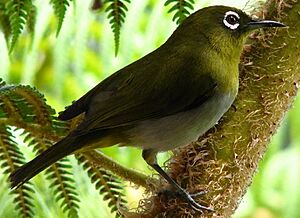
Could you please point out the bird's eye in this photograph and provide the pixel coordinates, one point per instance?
(231, 20)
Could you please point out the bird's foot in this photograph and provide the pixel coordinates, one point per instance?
(189, 198)
(198, 194)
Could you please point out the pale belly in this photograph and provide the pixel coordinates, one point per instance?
(180, 129)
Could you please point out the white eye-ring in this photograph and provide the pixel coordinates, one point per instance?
(231, 20)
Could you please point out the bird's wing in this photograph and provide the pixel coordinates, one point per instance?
(124, 98)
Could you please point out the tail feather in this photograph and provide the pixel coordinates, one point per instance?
(44, 160)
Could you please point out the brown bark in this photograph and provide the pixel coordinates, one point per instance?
(224, 161)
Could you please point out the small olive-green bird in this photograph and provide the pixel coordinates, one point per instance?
(166, 99)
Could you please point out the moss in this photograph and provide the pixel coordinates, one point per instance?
(224, 161)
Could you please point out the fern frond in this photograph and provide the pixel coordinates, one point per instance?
(17, 12)
(108, 184)
(63, 186)
(58, 174)
(11, 158)
(31, 20)
(60, 8)
(4, 21)
(181, 8)
(2, 83)
(24, 107)
(116, 13)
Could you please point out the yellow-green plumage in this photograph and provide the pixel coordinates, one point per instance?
(164, 100)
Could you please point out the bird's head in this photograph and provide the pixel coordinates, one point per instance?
(225, 28)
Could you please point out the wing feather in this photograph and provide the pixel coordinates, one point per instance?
(143, 90)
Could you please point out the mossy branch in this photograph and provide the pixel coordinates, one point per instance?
(224, 161)
(130, 175)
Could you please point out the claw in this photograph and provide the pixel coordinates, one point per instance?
(196, 206)
(150, 157)
(184, 195)
(198, 194)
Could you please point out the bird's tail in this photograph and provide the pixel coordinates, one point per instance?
(59, 150)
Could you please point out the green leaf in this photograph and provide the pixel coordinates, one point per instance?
(181, 8)
(24, 107)
(17, 12)
(116, 13)
(109, 186)
(60, 8)
(11, 159)
(63, 186)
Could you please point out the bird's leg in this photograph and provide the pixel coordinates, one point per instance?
(150, 157)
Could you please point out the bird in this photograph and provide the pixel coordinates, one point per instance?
(164, 100)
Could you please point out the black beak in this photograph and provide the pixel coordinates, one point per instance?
(256, 24)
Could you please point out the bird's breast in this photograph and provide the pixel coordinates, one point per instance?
(182, 128)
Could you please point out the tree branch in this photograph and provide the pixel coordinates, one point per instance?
(223, 161)
(102, 161)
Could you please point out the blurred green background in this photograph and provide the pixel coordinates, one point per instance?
(67, 66)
